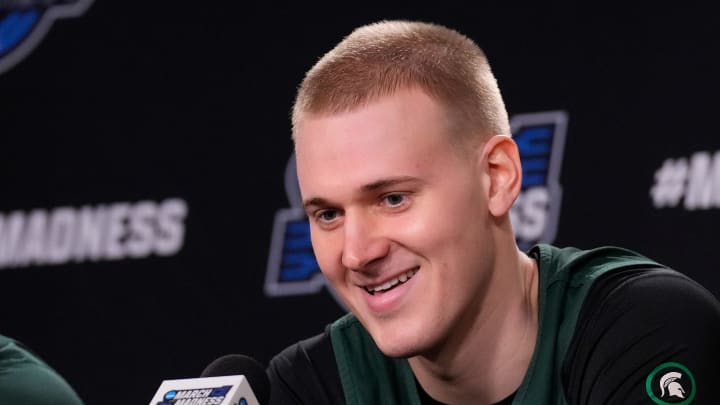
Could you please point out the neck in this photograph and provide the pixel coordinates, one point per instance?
(488, 360)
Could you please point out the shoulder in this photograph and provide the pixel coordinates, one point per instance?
(305, 373)
(635, 320)
(305, 352)
(583, 265)
(661, 294)
(22, 372)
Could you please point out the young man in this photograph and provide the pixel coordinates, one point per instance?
(407, 173)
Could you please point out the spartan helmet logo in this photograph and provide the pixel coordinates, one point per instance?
(670, 386)
(671, 383)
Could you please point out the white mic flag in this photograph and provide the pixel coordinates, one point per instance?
(223, 390)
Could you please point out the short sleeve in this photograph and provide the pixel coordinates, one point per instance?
(305, 373)
(645, 336)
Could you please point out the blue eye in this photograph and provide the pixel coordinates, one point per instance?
(394, 200)
(328, 215)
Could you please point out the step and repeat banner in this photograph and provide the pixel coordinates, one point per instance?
(150, 218)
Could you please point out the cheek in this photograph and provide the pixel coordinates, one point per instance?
(327, 252)
(442, 224)
(433, 237)
(450, 235)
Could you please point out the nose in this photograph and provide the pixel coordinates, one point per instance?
(364, 242)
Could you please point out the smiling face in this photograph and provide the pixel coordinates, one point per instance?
(399, 218)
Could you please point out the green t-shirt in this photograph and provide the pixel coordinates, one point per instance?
(27, 380)
(566, 276)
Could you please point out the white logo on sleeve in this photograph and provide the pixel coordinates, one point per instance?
(671, 383)
(670, 386)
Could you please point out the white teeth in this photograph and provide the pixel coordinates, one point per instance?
(387, 285)
(392, 283)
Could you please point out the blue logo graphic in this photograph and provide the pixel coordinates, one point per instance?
(170, 395)
(541, 140)
(24, 23)
(293, 270)
(220, 391)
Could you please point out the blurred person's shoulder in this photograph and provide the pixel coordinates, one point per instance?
(27, 379)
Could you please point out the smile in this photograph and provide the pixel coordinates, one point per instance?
(390, 284)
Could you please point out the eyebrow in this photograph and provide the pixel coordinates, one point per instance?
(374, 186)
(384, 183)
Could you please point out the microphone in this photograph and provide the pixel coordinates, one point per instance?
(225, 381)
(253, 370)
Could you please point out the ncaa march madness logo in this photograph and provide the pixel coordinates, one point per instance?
(292, 269)
(24, 23)
(201, 396)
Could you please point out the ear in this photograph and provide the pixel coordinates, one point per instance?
(504, 172)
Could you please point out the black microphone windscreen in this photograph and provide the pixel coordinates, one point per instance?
(234, 364)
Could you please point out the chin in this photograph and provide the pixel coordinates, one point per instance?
(399, 346)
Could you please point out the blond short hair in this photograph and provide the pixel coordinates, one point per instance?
(379, 59)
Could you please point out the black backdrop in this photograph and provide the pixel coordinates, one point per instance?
(188, 101)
